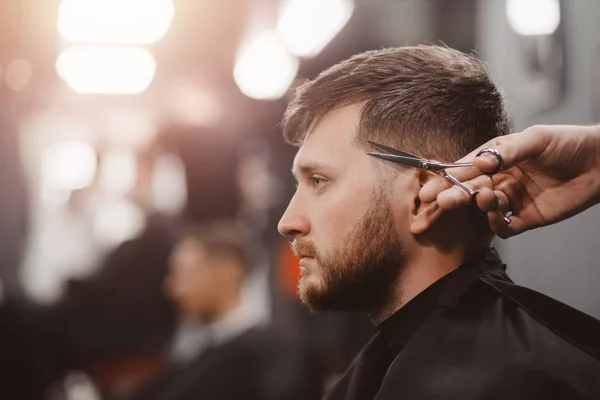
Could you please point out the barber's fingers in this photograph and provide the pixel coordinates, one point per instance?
(504, 231)
(455, 197)
(513, 149)
(489, 163)
(501, 203)
(486, 200)
(492, 201)
(501, 207)
(511, 197)
(495, 203)
(431, 190)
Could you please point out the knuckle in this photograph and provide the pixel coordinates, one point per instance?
(535, 130)
(498, 141)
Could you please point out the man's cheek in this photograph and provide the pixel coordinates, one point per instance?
(344, 210)
(332, 222)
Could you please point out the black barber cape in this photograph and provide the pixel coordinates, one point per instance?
(475, 335)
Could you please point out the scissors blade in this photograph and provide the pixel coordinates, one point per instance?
(391, 150)
(408, 161)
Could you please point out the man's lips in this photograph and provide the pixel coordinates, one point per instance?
(305, 256)
(305, 261)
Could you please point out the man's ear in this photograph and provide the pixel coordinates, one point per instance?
(423, 215)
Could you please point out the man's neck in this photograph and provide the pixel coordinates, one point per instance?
(417, 276)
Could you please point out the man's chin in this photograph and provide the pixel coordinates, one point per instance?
(316, 297)
(310, 293)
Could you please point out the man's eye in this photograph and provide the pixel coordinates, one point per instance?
(316, 181)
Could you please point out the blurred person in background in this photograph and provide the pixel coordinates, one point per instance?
(116, 320)
(451, 323)
(223, 349)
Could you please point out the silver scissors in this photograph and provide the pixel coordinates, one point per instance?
(437, 167)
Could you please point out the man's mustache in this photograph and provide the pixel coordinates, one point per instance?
(304, 249)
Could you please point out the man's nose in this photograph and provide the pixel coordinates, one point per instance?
(294, 222)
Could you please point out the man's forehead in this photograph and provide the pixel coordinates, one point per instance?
(323, 156)
(341, 120)
(307, 164)
(330, 141)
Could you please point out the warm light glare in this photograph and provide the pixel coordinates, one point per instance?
(130, 127)
(193, 105)
(264, 69)
(106, 70)
(307, 26)
(53, 198)
(118, 171)
(114, 21)
(118, 221)
(533, 17)
(69, 166)
(169, 186)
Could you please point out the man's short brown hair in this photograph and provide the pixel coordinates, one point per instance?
(431, 101)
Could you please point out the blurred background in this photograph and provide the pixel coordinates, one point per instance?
(122, 120)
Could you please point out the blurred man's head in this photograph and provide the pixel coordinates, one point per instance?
(208, 268)
(357, 221)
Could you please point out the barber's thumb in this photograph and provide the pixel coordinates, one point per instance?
(488, 163)
(512, 149)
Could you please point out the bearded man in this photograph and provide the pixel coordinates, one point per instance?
(451, 323)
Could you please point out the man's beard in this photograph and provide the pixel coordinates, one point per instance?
(362, 272)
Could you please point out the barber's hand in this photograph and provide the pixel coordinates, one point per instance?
(551, 173)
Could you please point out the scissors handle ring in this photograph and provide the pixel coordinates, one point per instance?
(496, 154)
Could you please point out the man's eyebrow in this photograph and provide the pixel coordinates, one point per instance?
(309, 169)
